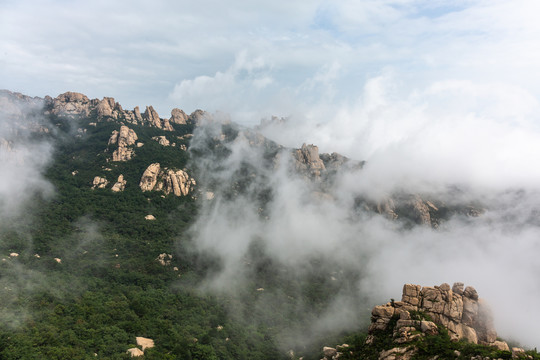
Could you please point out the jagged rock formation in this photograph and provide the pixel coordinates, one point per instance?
(152, 117)
(169, 181)
(164, 259)
(73, 104)
(70, 104)
(418, 209)
(460, 311)
(108, 107)
(120, 184)
(307, 160)
(150, 177)
(197, 116)
(99, 183)
(178, 117)
(124, 138)
(162, 140)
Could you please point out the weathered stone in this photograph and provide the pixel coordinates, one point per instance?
(429, 327)
(329, 352)
(420, 211)
(99, 183)
(149, 177)
(162, 140)
(467, 333)
(470, 311)
(470, 293)
(500, 345)
(411, 290)
(463, 316)
(387, 208)
(403, 353)
(307, 160)
(135, 352)
(383, 311)
(120, 184)
(458, 288)
(105, 107)
(144, 343)
(178, 117)
(123, 138)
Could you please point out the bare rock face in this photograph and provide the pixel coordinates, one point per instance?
(387, 208)
(169, 181)
(135, 352)
(151, 116)
(144, 343)
(109, 108)
(99, 183)
(307, 160)
(120, 184)
(179, 183)
(178, 117)
(420, 211)
(124, 138)
(138, 116)
(464, 315)
(198, 116)
(71, 104)
(162, 140)
(150, 177)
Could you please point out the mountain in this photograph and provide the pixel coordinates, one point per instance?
(188, 237)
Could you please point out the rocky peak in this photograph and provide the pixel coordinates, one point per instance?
(197, 116)
(307, 160)
(71, 104)
(178, 116)
(461, 312)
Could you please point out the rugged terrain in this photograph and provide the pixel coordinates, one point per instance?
(99, 206)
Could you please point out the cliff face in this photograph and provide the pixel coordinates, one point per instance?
(124, 139)
(73, 104)
(169, 181)
(460, 311)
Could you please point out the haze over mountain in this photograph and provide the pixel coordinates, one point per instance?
(314, 233)
(344, 149)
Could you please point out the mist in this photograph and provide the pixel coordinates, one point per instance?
(458, 142)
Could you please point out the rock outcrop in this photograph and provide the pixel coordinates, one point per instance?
(120, 184)
(307, 160)
(99, 182)
(162, 140)
(144, 343)
(150, 177)
(151, 116)
(109, 108)
(459, 310)
(71, 104)
(125, 139)
(178, 117)
(169, 181)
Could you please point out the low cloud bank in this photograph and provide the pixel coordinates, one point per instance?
(432, 142)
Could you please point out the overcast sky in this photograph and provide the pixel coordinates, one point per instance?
(257, 58)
